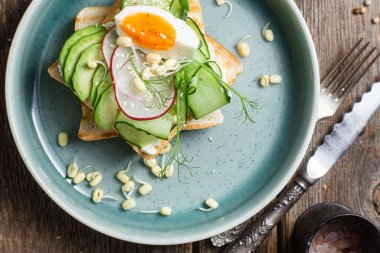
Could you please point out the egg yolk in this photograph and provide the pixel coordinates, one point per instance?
(149, 31)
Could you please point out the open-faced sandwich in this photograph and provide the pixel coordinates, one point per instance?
(145, 70)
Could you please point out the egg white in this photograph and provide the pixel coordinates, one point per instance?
(186, 42)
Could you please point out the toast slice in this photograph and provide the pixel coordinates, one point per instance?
(91, 16)
(88, 130)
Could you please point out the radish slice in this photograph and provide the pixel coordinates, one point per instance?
(109, 44)
(137, 105)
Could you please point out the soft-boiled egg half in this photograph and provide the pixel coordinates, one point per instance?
(154, 30)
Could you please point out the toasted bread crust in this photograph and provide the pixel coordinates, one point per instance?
(91, 16)
(88, 130)
(115, 9)
(55, 73)
(213, 119)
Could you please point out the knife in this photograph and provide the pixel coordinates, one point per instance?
(326, 155)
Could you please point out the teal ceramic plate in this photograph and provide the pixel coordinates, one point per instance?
(245, 165)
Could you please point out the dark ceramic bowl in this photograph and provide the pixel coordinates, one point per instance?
(315, 218)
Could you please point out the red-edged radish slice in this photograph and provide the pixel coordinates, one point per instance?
(109, 44)
(135, 104)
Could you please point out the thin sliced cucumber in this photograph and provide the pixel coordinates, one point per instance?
(75, 53)
(75, 38)
(83, 75)
(106, 112)
(134, 136)
(98, 79)
(204, 46)
(175, 8)
(216, 68)
(103, 86)
(180, 9)
(159, 127)
(182, 100)
(209, 95)
(193, 67)
(124, 3)
(182, 109)
(193, 83)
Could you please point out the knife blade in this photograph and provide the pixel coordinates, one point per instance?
(326, 155)
(344, 134)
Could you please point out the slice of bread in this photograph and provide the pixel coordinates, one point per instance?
(91, 16)
(88, 130)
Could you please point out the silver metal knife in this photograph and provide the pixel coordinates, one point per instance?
(326, 155)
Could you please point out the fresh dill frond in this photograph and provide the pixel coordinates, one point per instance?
(158, 98)
(245, 104)
(177, 155)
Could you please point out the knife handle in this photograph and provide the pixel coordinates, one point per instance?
(259, 230)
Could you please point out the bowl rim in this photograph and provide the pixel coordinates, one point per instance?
(31, 11)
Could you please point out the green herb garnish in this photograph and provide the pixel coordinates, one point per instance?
(159, 99)
(176, 154)
(245, 102)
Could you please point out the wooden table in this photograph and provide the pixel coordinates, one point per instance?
(31, 222)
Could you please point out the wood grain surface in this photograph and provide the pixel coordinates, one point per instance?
(31, 222)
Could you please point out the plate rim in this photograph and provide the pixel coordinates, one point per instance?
(31, 12)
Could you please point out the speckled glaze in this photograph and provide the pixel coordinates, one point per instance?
(243, 168)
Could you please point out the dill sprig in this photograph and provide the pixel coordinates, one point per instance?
(177, 154)
(246, 103)
(159, 99)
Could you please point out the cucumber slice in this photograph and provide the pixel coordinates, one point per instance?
(83, 75)
(202, 54)
(193, 67)
(175, 9)
(124, 3)
(180, 8)
(182, 109)
(99, 76)
(204, 46)
(159, 127)
(75, 53)
(103, 86)
(134, 136)
(106, 112)
(75, 38)
(216, 68)
(193, 83)
(209, 95)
